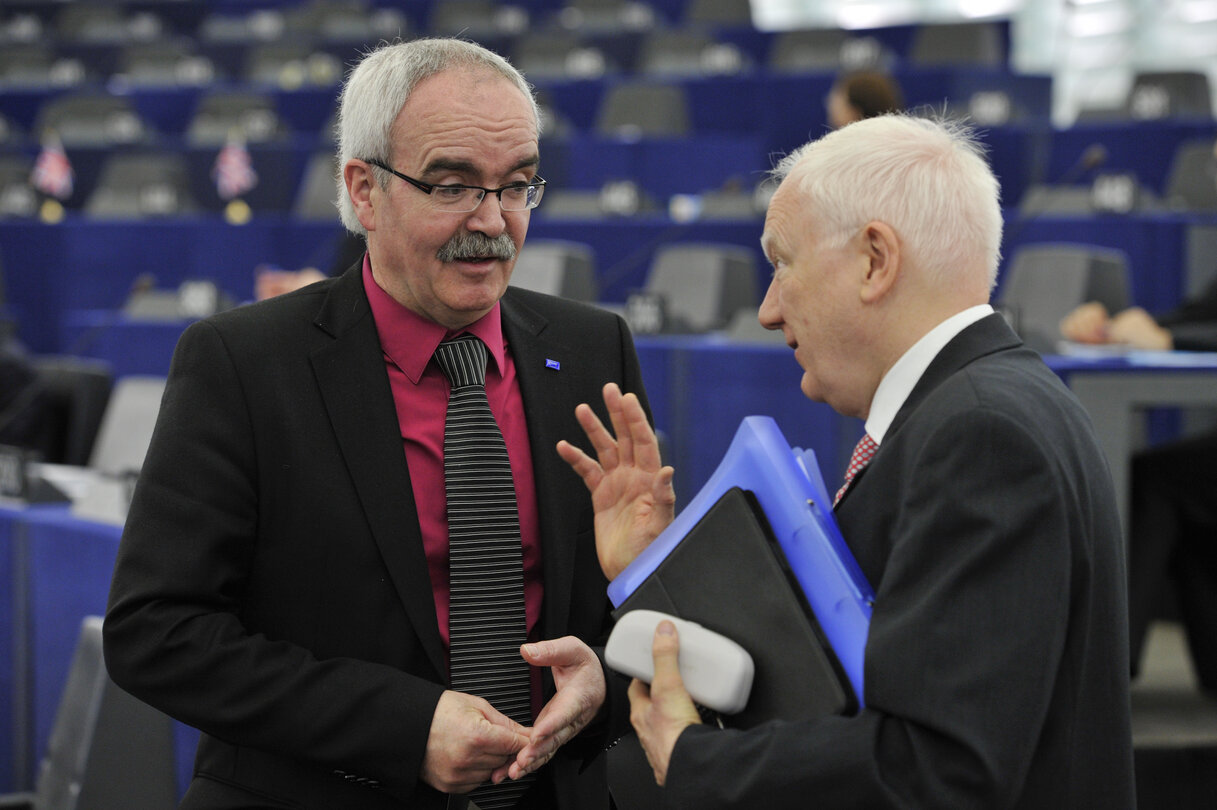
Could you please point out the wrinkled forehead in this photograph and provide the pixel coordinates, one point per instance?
(783, 220)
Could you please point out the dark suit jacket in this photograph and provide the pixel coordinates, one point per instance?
(996, 667)
(1193, 325)
(271, 587)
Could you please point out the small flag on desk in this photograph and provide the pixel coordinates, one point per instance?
(234, 175)
(53, 174)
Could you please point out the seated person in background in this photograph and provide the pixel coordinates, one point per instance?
(272, 281)
(864, 94)
(1173, 512)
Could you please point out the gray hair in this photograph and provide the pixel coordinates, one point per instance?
(927, 179)
(377, 89)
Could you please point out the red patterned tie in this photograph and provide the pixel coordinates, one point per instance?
(864, 451)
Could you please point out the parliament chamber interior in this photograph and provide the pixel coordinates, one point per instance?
(156, 155)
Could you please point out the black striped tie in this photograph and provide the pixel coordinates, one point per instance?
(486, 623)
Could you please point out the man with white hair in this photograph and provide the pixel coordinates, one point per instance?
(980, 509)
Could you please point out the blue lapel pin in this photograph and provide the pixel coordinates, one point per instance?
(554, 364)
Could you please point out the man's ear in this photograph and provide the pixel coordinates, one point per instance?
(359, 182)
(883, 251)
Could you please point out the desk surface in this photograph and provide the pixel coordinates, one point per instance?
(1116, 389)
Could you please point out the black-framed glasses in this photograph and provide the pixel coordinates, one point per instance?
(461, 199)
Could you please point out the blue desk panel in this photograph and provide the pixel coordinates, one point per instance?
(701, 388)
(85, 265)
(55, 570)
(9, 654)
(70, 562)
(18, 755)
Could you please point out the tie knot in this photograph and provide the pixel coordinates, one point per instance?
(864, 451)
(463, 361)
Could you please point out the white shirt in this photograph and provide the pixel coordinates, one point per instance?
(900, 379)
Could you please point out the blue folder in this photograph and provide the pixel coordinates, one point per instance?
(792, 507)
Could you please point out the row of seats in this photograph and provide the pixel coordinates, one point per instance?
(345, 22)
(715, 181)
(542, 53)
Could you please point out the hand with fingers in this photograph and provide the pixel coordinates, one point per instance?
(661, 711)
(631, 490)
(469, 743)
(579, 679)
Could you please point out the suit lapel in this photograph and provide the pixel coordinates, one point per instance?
(354, 386)
(988, 335)
(548, 394)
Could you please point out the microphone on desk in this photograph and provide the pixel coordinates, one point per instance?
(1091, 158)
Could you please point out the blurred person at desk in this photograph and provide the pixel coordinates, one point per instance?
(862, 94)
(1173, 503)
(996, 660)
(303, 575)
(272, 281)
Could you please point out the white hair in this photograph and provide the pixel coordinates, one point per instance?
(378, 87)
(927, 179)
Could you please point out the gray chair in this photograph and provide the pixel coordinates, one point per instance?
(736, 13)
(824, 50)
(317, 198)
(107, 749)
(703, 285)
(38, 65)
(1044, 282)
(91, 120)
(557, 267)
(141, 185)
(76, 391)
(126, 426)
(1191, 183)
(616, 198)
(607, 16)
(644, 109)
(344, 22)
(106, 24)
(17, 196)
(689, 52)
(558, 54)
(959, 44)
(167, 63)
(220, 115)
(477, 18)
(738, 204)
(224, 26)
(292, 64)
(1169, 94)
(1109, 193)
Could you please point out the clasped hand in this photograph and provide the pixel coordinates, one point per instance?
(471, 742)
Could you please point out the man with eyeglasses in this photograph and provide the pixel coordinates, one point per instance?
(282, 583)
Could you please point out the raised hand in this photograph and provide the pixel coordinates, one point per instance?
(631, 489)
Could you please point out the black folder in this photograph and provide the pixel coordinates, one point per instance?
(729, 574)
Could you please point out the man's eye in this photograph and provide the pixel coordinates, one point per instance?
(450, 192)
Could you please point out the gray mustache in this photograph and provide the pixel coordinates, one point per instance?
(474, 245)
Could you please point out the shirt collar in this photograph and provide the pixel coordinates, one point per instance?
(900, 379)
(410, 340)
